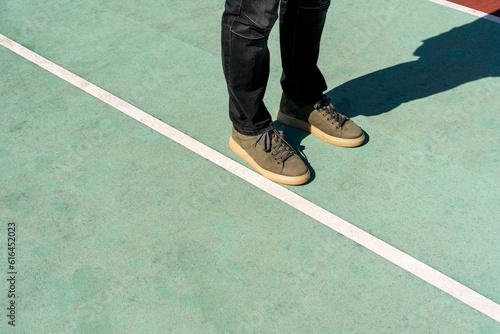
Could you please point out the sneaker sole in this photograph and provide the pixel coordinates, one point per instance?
(289, 180)
(297, 123)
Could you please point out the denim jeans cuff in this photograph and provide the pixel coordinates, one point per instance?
(254, 132)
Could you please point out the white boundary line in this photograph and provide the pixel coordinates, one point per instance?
(392, 254)
(467, 10)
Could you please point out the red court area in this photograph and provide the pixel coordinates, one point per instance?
(488, 6)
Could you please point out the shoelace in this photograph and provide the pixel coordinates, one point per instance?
(328, 109)
(272, 140)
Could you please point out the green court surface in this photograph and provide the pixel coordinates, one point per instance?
(121, 230)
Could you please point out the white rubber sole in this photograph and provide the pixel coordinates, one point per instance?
(297, 123)
(289, 180)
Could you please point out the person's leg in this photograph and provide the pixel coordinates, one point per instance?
(246, 25)
(303, 104)
(301, 27)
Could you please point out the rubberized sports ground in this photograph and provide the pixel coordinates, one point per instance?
(132, 215)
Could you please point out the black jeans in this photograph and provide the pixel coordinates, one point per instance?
(246, 25)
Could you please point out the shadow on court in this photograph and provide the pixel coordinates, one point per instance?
(463, 54)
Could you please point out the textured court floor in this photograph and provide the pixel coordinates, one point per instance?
(121, 230)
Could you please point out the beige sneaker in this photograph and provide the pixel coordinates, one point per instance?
(271, 156)
(322, 120)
